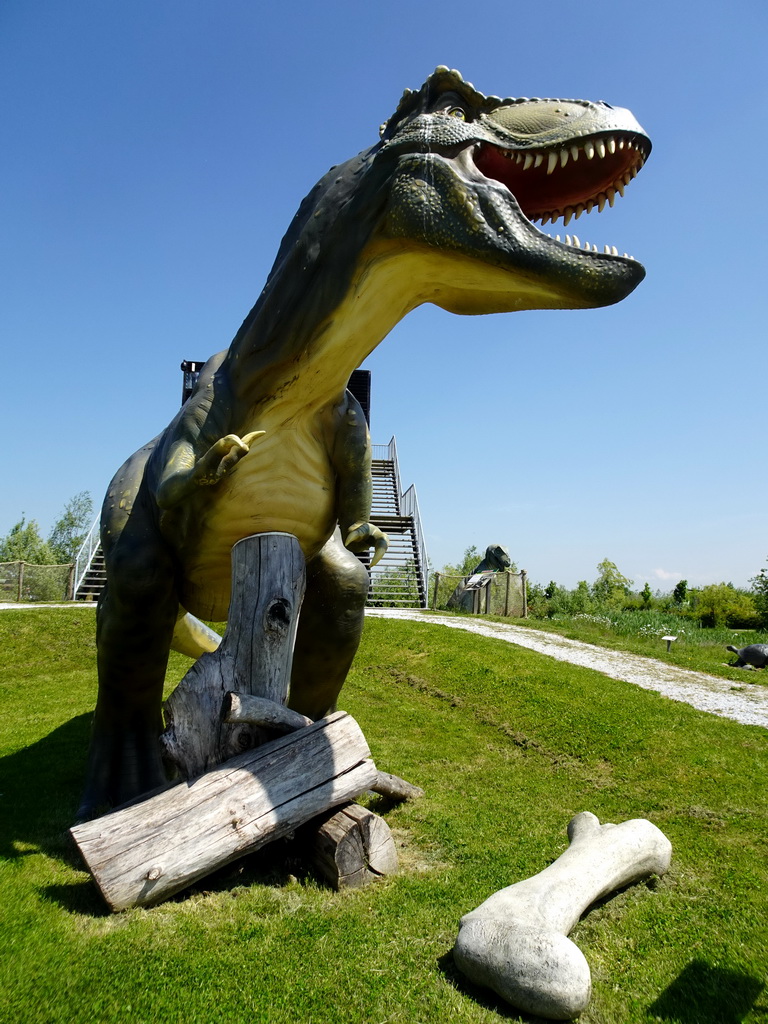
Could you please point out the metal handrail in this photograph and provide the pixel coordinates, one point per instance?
(84, 556)
(410, 507)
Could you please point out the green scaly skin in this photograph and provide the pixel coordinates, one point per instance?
(440, 210)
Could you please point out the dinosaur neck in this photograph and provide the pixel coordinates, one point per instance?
(305, 361)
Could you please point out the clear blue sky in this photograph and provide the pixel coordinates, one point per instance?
(155, 151)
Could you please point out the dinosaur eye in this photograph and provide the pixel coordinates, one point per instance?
(457, 112)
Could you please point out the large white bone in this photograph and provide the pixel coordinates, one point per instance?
(516, 941)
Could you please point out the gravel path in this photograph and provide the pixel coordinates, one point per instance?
(745, 702)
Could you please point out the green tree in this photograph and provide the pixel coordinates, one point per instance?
(23, 543)
(760, 591)
(680, 592)
(646, 595)
(70, 529)
(610, 586)
(720, 604)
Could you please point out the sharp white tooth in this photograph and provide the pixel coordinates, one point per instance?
(545, 219)
(564, 154)
(621, 143)
(614, 251)
(576, 241)
(611, 146)
(594, 248)
(590, 206)
(633, 171)
(627, 257)
(607, 250)
(620, 187)
(552, 162)
(528, 161)
(557, 238)
(575, 153)
(600, 148)
(554, 215)
(601, 199)
(579, 211)
(627, 178)
(539, 160)
(568, 213)
(589, 149)
(568, 240)
(611, 193)
(519, 158)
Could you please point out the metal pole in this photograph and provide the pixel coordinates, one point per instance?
(434, 592)
(523, 578)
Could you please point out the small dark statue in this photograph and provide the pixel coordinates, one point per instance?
(496, 559)
(754, 656)
(441, 209)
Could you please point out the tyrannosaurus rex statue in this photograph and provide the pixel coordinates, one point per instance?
(440, 210)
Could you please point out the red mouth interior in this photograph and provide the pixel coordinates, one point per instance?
(579, 181)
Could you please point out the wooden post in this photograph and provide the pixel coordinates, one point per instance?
(524, 585)
(434, 592)
(506, 594)
(21, 582)
(254, 657)
(488, 588)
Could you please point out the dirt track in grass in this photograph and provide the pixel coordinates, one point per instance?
(745, 702)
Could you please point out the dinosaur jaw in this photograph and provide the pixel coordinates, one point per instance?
(480, 202)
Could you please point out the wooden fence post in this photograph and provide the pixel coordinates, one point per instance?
(434, 592)
(524, 585)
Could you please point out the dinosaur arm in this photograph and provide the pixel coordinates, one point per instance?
(184, 473)
(351, 456)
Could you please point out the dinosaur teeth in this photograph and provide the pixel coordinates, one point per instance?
(575, 242)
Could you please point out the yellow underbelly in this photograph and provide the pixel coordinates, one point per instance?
(285, 483)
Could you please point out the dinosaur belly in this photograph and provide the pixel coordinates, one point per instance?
(286, 483)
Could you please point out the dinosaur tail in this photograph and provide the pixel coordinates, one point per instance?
(192, 637)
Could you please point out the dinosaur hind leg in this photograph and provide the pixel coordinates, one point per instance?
(135, 623)
(329, 630)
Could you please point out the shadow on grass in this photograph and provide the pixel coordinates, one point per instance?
(703, 994)
(484, 997)
(41, 787)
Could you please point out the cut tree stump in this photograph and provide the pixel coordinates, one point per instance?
(147, 851)
(254, 657)
(353, 847)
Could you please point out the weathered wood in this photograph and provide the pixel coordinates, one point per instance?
(353, 847)
(145, 852)
(242, 707)
(395, 788)
(254, 657)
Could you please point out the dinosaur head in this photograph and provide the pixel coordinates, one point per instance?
(475, 173)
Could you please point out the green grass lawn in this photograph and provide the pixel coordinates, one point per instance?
(508, 745)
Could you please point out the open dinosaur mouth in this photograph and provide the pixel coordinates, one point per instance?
(565, 181)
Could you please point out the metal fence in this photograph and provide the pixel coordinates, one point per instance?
(21, 581)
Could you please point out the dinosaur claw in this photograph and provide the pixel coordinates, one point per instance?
(366, 535)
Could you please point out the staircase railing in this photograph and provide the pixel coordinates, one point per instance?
(409, 504)
(84, 556)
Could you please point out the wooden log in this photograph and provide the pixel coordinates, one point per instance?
(254, 657)
(395, 788)
(147, 851)
(242, 707)
(353, 847)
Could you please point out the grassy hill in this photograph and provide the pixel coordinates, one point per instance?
(508, 746)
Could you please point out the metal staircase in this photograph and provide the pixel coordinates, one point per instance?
(400, 578)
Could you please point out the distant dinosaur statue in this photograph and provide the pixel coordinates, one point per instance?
(496, 559)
